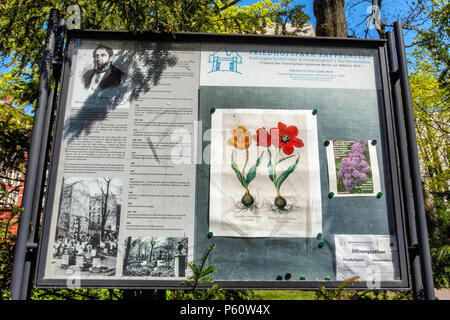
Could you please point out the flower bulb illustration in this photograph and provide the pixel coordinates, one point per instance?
(284, 140)
(241, 140)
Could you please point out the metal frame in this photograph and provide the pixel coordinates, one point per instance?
(404, 164)
(392, 150)
(27, 237)
(414, 169)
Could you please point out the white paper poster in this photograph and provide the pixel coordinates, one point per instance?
(373, 258)
(125, 201)
(264, 173)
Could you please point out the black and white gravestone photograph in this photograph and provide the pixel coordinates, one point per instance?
(155, 257)
(87, 228)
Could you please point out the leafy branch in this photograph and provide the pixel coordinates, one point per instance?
(336, 294)
(200, 273)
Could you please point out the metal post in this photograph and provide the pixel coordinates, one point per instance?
(417, 285)
(422, 232)
(18, 291)
(30, 262)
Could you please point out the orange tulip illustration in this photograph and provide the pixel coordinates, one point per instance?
(240, 138)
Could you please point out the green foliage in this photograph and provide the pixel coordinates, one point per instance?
(342, 293)
(434, 38)
(199, 277)
(76, 294)
(381, 295)
(336, 294)
(22, 39)
(440, 258)
(7, 240)
(22, 35)
(252, 171)
(430, 90)
(235, 168)
(431, 110)
(286, 173)
(15, 126)
(277, 182)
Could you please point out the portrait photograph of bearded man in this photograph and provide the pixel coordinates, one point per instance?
(104, 75)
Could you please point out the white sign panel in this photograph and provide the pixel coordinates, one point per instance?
(373, 258)
(272, 66)
(124, 204)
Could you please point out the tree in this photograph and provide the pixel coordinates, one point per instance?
(330, 16)
(107, 206)
(434, 40)
(430, 90)
(429, 80)
(431, 110)
(15, 126)
(22, 37)
(372, 18)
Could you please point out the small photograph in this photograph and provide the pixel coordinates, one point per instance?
(102, 76)
(87, 227)
(157, 257)
(353, 168)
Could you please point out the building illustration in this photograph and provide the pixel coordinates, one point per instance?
(225, 60)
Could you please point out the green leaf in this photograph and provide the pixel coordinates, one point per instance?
(285, 158)
(271, 168)
(285, 174)
(252, 172)
(236, 170)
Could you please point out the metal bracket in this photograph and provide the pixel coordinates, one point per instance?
(394, 75)
(32, 245)
(56, 63)
(413, 249)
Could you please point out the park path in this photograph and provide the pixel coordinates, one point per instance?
(442, 294)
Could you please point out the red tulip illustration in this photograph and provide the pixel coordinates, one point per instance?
(262, 137)
(282, 138)
(285, 138)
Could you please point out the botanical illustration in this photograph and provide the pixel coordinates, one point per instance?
(241, 140)
(283, 140)
(280, 142)
(264, 173)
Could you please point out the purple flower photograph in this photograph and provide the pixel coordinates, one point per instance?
(354, 171)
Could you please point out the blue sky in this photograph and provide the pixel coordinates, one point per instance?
(392, 11)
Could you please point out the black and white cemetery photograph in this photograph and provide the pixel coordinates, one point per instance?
(87, 228)
(158, 257)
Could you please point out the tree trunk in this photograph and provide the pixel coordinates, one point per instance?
(330, 18)
(126, 256)
(105, 213)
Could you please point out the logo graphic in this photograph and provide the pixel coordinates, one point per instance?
(225, 60)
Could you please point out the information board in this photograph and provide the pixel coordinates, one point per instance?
(280, 150)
